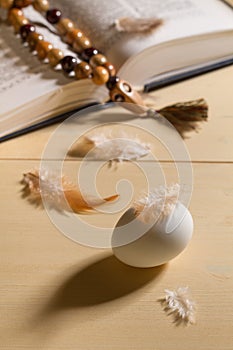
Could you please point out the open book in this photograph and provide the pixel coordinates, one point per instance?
(196, 36)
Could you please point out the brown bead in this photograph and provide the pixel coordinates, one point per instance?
(33, 39)
(112, 82)
(16, 18)
(81, 44)
(13, 14)
(26, 30)
(41, 5)
(43, 48)
(110, 68)
(72, 35)
(83, 70)
(19, 22)
(53, 16)
(64, 26)
(68, 64)
(22, 3)
(55, 56)
(6, 4)
(98, 60)
(100, 75)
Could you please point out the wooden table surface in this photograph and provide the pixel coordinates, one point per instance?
(56, 294)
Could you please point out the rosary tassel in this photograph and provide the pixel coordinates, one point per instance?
(186, 116)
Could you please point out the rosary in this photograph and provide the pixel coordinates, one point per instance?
(92, 64)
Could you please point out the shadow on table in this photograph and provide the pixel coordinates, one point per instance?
(103, 281)
(100, 283)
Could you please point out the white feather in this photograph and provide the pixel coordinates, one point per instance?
(180, 304)
(117, 148)
(48, 183)
(58, 192)
(137, 25)
(159, 203)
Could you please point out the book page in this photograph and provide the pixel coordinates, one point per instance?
(97, 17)
(181, 18)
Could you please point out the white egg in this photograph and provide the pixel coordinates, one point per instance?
(164, 240)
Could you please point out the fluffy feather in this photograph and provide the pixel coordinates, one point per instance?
(179, 303)
(109, 147)
(158, 203)
(55, 189)
(137, 25)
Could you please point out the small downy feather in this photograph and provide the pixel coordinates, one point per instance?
(185, 116)
(55, 189)
(158, 204)
(109, 147)
(137, 25)
(180, 304)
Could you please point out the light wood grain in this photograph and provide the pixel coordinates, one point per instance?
(56, 294)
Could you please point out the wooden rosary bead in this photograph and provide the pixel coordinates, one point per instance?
(26, 30)
(72, 35)
(64, 26)
(100, 75)
(6, 4)
(53, 16)
(98, 60)
(13, 14)
(83, 70)
(19, 22)
(22, 3)
(94, 65)
(43, 48)
(81, 44)
(88, 53)
(112, 82)
(33, 39)
(68, 64)
(55, 56)
(110, 68)
(41, 5)
(17, 19)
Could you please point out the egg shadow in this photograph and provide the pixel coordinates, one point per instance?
(103, 281)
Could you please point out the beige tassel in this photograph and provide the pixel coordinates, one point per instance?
(55, 189)
(137, 25)
(186, 116)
